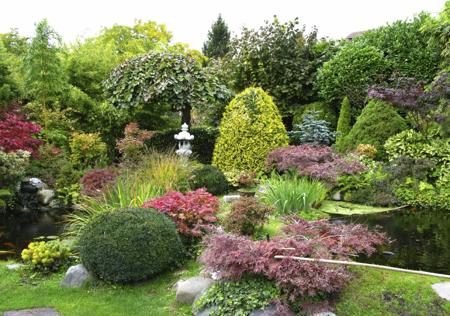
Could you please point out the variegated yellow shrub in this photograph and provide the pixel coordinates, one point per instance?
(251, 127)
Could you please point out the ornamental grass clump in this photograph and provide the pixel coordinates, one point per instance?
(291, 194)
(235, 256)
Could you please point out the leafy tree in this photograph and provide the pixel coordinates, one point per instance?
(141, 38)
(163, 81)
(218, 41)
(251, 128)
(350, 73)
(378, 121)
(9, 89)
(14, 43)
(439, 28)
(407, 49)
(344, 122)
(312, 130)
(44, 75)
(280, 58)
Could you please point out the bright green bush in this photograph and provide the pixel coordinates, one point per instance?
(238, 297)
(350, 73)
(46, 256)
(87, 149)
(291, 194)
(327, 112)
(377, 122)
(130, 245)
(210, 178)
(250, 129)
(12, 167)
(344, 124)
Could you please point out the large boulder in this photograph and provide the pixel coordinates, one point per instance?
(188, 290)
(45, 196)
(76, 276)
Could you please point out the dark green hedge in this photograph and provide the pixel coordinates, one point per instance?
(202, 145)
(130, 245)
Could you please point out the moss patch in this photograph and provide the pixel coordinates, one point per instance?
(345, 208)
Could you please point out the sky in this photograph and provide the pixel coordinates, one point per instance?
(189, 21)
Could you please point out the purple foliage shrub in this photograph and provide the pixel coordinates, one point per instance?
(316, 162)
(233, 256)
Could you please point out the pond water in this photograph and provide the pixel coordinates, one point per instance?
(420, 240)
(16, 233)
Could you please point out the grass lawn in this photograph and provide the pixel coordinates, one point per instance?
(371, 293)
(155, 297)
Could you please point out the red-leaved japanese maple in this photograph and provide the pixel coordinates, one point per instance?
(316, 162)
(192, 212)
(232, 256)
(95, 181)
(18, 134)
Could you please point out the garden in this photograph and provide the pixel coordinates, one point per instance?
(273, 173)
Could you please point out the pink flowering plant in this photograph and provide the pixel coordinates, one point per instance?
(193, 212)
(234, 256)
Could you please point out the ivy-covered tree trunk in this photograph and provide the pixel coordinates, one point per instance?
(186, 114)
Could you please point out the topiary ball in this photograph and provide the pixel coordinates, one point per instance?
(210, 178)
(130, 245)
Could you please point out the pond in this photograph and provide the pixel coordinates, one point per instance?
(420, 240)
(16, 233)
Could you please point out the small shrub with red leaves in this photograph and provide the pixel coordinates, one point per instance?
(95, 181)
(316, 162)
(133, 142)
(18, 134)
(233, 256)
(246, 215)
(193, 212)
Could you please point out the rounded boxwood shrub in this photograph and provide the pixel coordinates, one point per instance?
(250, 129)
(210, 178)
(130, 245)
(377, 122)
(326, 112)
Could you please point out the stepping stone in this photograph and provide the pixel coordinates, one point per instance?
(442, 289)
(33, 312)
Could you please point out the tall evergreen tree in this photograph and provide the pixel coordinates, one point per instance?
(344, 122)
(45, 78)
(218, 41)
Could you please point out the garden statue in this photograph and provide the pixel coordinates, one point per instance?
(184, 138)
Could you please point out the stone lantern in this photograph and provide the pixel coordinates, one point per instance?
(184, 138)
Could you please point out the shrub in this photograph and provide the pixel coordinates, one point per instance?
(12, 167)
(344, 123)
(350, 73)
(46, 256)
(18, 134)
(132, 144)
(319, 163)
(312, 131)
(87, 149)
(202, 144)
(235, 256)
(291, 194)
(377, 122)
(192, 212)
(326, 112)
(95, 181)
(238, 297)
(251, 127)
(210, 178)
(129, 245)
(422, 194)
(246, 215)
(367, 150)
